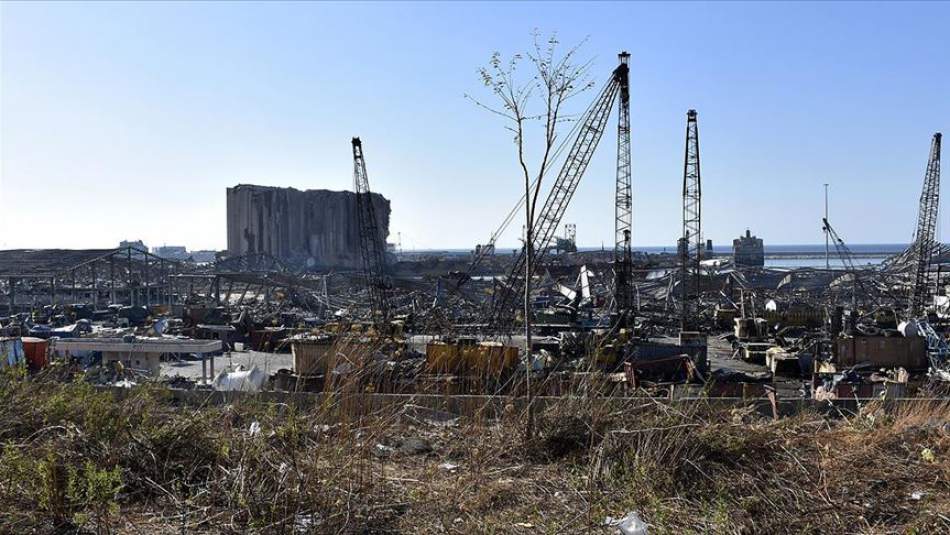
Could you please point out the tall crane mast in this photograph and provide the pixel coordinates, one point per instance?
(623, 209)
(690, 246)
(372, 245)
(579, 156)
(924, 237)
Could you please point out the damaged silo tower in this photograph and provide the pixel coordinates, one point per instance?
(312, 228)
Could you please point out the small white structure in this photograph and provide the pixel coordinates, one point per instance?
(240, 380)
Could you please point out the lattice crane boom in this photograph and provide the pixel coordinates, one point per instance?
(372, 242)
(847, 259)
(924, 237)
(562, 190)
(690, 245)
(623, 206)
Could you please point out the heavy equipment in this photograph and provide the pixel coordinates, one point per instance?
(372, 242)
(924, 237)
(690, 244)
(623, 204)
(591, 129)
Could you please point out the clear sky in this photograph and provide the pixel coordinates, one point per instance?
(128, 121)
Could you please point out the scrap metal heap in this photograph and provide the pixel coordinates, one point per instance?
(688, 321)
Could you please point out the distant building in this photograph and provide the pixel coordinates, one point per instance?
(203, 256)
(567, 244)
(181, 253)
(137, 244)
(564, 245)
(171, 252)
(748, 251)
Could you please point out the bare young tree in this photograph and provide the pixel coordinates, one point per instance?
(525, 100)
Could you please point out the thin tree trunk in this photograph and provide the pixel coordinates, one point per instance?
(529, 425)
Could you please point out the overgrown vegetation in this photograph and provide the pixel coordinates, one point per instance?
(75, 458)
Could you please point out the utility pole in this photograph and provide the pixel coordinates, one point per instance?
(825, 227)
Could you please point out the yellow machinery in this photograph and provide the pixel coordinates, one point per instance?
(608, 350)
(466, 358)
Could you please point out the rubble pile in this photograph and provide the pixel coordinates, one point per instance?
(806, 330)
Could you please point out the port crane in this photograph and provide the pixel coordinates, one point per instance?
(623, 200)
(924, 238)
(590, 131)
(372, 244)
(924, 245)
(690, 244)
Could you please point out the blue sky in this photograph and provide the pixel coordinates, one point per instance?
(130, 120)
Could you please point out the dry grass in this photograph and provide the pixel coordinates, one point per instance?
(76, 459)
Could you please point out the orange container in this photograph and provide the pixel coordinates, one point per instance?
(35, 349)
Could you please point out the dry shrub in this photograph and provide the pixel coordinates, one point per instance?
(77, 458)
